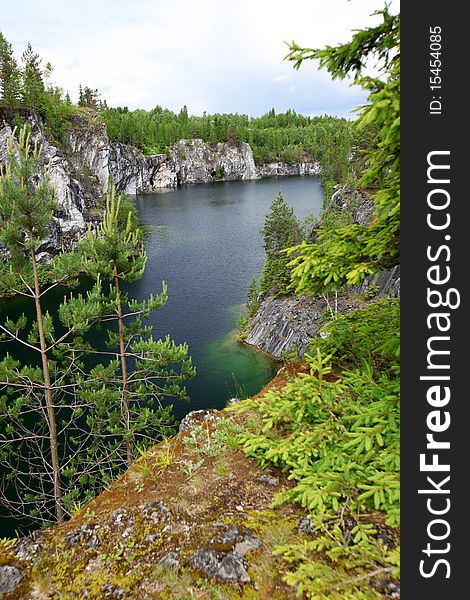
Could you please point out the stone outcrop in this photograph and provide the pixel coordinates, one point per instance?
(285, 326)
(223, 558)
(97, 160)
(386, 283)
(10, 578)
(349, 200)
(159, 531)
(203, 521)
(281, 169)
(86, 160)
(197, 162)
(71, 195)
(134, 173)
(87, 152)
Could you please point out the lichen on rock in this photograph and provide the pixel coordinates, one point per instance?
(10, 578)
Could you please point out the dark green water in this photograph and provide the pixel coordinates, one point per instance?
(204, 241)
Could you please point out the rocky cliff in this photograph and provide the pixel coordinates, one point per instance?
(71, 191)
(285, 326)
(281, 169)
(86, 160)
(194, 161)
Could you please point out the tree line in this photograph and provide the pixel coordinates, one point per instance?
(27, 84)
(286, 137)
(274, 137)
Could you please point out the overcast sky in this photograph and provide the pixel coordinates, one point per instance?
(212, 55)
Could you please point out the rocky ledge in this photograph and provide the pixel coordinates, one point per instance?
(192, 514)
(86, 160)
(192, 518)
(284, 327)
(281, 169)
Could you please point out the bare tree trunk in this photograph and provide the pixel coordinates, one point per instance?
(125, 410)
(51, 416)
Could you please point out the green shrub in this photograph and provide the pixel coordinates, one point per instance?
(338, 440)
(219, 173)
(370, 335)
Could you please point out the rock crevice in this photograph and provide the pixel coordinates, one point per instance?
(285, 326)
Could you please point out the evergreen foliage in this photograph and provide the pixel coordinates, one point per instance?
(287, 137)
(33, 87)
(132, 401)
(253, 298)
(348, 254)
(281, 230)
(338, 438)
(89, 98)
(67, 430)
(10, 83)
(27, 85)
(40, 436)
(371, 335)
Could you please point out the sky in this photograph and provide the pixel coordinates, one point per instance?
(210, 55)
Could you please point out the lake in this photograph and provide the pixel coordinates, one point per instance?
(204, 241)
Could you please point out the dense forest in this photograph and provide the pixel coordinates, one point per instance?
(288, 136)
(284, 137)
(336, 429)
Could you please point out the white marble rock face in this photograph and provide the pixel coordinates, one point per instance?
(82, 169)
(68, 190)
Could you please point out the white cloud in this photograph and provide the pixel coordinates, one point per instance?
(209, 55)
(280, 78)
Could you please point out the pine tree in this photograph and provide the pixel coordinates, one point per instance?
(281, 227)
(33, 88)
(39, 433)
(89, 98)
(9, 73)
(281, 230)
(81, 101)
(146, 372)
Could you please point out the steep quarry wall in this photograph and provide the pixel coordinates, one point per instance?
(86, 160)
(71, 192)
(281, 169)
(285, 326)
(195, 161)
(94, 156)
